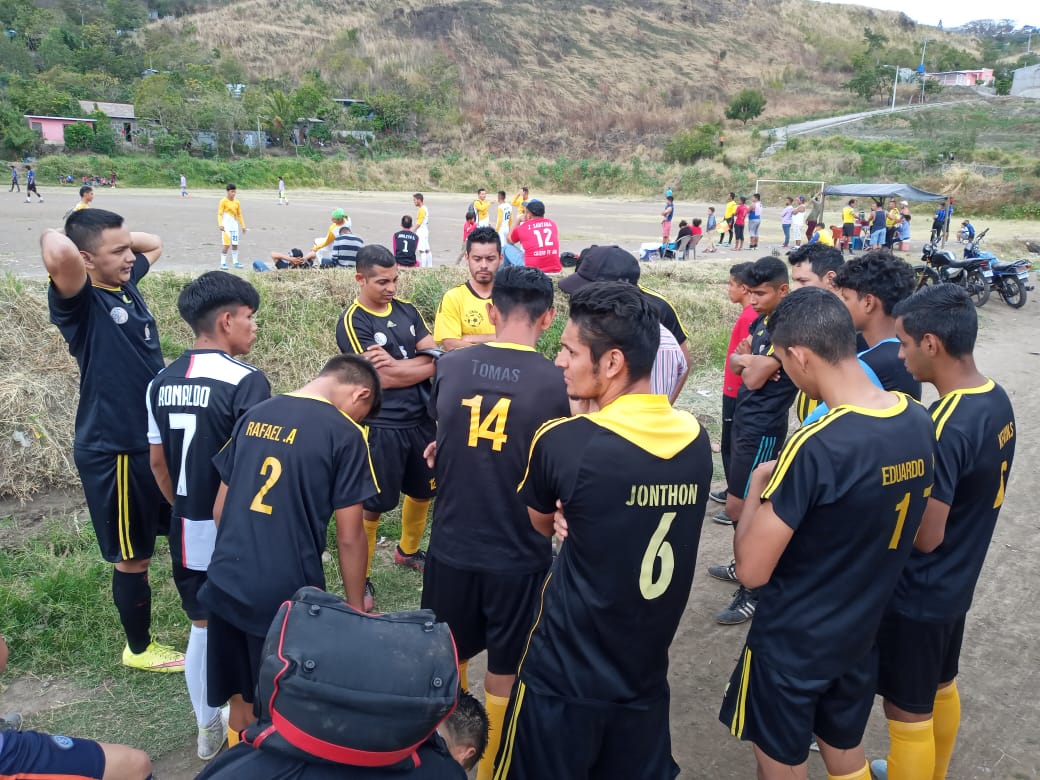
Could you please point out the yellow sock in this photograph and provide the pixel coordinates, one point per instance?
(862, 774)
(496, 712)
(946, 717)
(911, 755)
(371, 529)
(464, 675)
(413, 523)
(232, 738)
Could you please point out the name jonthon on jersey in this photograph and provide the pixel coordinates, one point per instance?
(662, 495)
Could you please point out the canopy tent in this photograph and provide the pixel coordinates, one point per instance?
(881, 191)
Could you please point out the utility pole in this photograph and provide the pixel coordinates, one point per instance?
(895, 83)
(920, 68)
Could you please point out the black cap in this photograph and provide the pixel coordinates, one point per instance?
(535, 207)
(602, 264)
(295, 252)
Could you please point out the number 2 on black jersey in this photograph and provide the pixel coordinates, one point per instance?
(272, 469)
(492, 427)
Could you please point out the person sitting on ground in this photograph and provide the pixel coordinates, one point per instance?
(295, 259)
(38, 755)
(967, 232)
(405, 243)
(344, 249)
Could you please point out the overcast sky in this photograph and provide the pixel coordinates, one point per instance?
(957, 12)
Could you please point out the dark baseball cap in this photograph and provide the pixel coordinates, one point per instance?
(535, 207)
(602, 264)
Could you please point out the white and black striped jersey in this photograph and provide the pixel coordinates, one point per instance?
(193, 405)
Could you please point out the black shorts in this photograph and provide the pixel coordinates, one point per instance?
(738, 232)
(397, 457)
(748, 451)
(188, 582)
(848, 229)
(232, 662)
(549, 737)
(42, 756)
(31, 187)
(492, 612)
(915, 658)
(729, 406)
(125, 504)
(779, 712)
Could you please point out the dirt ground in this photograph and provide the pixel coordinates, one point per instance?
(999, 679)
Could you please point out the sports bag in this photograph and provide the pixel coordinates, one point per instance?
(344, 687)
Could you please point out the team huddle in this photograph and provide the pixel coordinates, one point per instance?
(858, 539)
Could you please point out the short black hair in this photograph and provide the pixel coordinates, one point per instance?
(696, 222)
(821, 258)
(406, 222)
(230, 187)
(522, 286)
(616, 315)
(371, 255)
(739, 271)
(501, 193)
(418, 195)
(84, 227)
(355, 370)
(537, 208)
(766, 270)
(85, 189)
(468, 725)
(880, 273)
(484, 235)
(202, 299)
(944, 310)
(817, 319)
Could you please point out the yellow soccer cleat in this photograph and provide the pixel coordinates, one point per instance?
(155, 658)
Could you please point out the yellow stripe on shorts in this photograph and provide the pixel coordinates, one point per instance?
(502, 770)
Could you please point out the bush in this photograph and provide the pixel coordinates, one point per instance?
(688, 146)
(747, 105)
(78, 137)
(167, 145)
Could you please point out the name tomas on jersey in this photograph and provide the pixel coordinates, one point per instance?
(663, 495)
(262, 430)
(498, 373)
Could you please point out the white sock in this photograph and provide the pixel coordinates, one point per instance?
(195, 676)
(234, 255)
(223, 258)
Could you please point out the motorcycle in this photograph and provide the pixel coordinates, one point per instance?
(971, 274)
(1010, 279)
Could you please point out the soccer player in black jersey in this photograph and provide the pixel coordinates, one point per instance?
(871, 285)
(389, 333)
(486, 562)
(760, 417)
(591, 697)
(93, 298)
(292, 463)
(193, 405)
(825, 533)
(920, 637)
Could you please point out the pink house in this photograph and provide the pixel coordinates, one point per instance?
(963, 78)
(52, 128)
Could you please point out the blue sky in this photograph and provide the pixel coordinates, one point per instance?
(957, 12)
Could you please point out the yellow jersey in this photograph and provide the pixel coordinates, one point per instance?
(518, 210)
(232, 208)
(824, 236)
(731, 209)
(848, 217)
(420, 217)
(330, 236)
(462, 313)
(80, 206)
(892, 218)
(481, 207)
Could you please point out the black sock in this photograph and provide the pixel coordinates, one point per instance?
(133, 598)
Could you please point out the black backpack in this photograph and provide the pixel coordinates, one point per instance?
(344, 687)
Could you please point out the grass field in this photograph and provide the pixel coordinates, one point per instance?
(56, 602)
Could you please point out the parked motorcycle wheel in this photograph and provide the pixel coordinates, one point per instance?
(1012, 291)
(978, 288)
(926, 275)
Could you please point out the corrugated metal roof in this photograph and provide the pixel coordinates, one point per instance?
(111, 110)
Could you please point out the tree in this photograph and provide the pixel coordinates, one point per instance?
(746, 106)
(870, 79)
(688, 146)
(875, 40)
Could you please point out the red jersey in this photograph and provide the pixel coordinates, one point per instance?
(741, 215)
(467, 228)
(541, 242)
(731, 382)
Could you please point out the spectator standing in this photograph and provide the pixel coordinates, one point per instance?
(184, 186)
(785, 221)
(709, 229)
(877, 226)
(815, 213)
(754, 220)
(730, 215)
(667, 214)
(798, 220)
(282, 199)
(740, 217)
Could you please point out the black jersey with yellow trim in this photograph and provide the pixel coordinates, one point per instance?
(112, 334)
(633, 479)
(765, 409)
(292, 461)
(193, 405)
(853, 487)
(489, 400)
(975, 446)
(884, 359)
(397, 330)
(666, 313)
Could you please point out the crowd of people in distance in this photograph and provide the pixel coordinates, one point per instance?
(859, 532)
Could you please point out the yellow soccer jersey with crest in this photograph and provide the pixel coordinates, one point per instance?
(462, 313)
